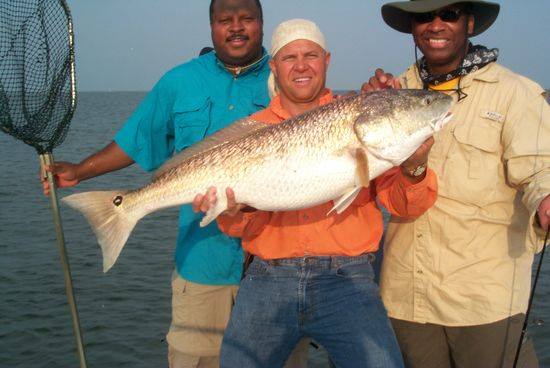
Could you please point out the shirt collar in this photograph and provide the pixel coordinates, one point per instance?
(486, 74)
(254, 69)
(278, 109)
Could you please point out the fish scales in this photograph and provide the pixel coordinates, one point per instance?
(308, 137)
(301, 162)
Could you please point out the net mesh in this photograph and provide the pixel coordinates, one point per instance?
(37, 96)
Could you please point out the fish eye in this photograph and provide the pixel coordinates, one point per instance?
(117, 201)
(427, 101)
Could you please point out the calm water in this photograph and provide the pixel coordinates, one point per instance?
(126, 312)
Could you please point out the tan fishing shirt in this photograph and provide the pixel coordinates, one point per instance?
(467, 260)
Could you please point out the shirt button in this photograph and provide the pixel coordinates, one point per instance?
(419, 236)
(420, 272)
(231, 107)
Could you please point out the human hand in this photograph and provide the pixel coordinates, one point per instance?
(381, 80)
(65, 175)
(544, 213)
(419, 157)
(203, 202)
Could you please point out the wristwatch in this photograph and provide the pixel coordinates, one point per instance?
(418, 171)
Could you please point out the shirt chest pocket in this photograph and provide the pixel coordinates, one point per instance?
(474, 165)
(191, 121)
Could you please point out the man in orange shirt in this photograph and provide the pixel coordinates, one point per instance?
(312, 274)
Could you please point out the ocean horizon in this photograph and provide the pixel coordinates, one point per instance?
(124, 313)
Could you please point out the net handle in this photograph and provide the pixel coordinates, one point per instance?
(47, 160)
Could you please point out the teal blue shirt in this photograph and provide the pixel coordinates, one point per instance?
(189, 102)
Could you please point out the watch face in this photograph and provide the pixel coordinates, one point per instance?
(419, 170)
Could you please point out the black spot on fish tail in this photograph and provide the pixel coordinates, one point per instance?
(117, 201)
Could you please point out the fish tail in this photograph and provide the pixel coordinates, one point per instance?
(110, 221)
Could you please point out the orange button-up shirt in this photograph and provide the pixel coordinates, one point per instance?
(310, 232)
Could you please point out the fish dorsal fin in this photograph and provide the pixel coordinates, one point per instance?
(239, 129)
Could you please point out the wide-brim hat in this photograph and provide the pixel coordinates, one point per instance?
(397, 14)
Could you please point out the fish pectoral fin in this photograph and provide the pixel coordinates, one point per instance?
(214, 211)
(344, 201)
(362, 176)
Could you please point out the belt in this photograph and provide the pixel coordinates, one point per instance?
(321, 260)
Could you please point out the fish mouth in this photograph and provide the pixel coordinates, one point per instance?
(440, 122)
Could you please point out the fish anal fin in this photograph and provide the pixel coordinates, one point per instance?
(215, 210)
(345, 200)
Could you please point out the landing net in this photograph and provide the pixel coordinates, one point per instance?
(37, 83)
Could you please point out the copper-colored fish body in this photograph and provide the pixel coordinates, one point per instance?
(322, 155)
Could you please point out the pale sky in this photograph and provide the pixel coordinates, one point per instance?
(126, 45)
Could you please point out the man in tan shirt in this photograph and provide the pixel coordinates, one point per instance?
(456, 280)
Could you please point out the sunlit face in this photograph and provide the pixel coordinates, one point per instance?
(300, 69)
(236, 31)
(444, 44)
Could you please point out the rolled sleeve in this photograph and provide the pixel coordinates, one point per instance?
(245, 225)
(403, 198)
(148, 135)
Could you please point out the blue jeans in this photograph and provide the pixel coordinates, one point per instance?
(333, 300)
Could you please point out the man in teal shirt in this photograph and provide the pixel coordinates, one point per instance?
(188, 103)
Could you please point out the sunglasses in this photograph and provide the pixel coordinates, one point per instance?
(446, 15)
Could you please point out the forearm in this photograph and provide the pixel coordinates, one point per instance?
(110, 158)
